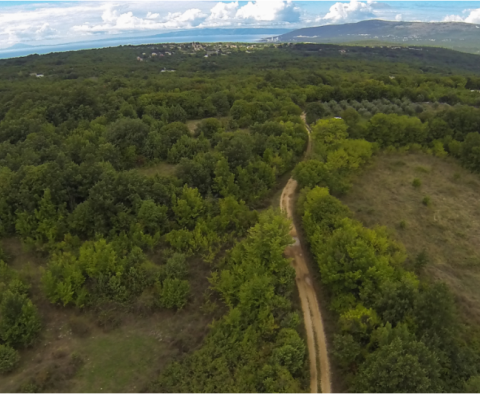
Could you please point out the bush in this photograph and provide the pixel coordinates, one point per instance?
(174, 293)
(29, 387)
(176, 268)
(420, 261)
(426, 201)
(416, 182)
(403, 224)
(9, 358)
(19, 321)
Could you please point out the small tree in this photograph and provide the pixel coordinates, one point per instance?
(9, 359)
(174, 293)
(19, 321)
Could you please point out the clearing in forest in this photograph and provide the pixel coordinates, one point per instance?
(431, 205)
(113, 348)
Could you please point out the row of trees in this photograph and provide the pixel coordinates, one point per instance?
(396, 333)
(453, 130)
(366, 109)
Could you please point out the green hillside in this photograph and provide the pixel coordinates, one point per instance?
(459, 36)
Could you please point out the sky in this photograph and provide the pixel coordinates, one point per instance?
(55, 22)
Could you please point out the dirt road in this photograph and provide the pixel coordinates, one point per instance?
(316, 341)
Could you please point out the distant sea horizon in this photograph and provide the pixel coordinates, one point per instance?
(108, 43)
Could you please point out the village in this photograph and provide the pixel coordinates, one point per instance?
(194, 49)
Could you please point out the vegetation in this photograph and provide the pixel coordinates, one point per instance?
(255, 346)
(140, 197)
(442, 242)
(8, 358)
(393, 336)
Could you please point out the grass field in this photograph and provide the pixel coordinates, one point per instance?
(440, 215)
(78, 353)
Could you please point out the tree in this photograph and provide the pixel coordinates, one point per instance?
(209, 127)
(176, 267)
(126, 132)
(170, 134)
(19, 320)
(188, 207)
(177, 114)
(237, 148)
(174, 293)
(470, 152)
(153, 217)
(9, 359)
(402, 366)
(329, 132)
(314, 111)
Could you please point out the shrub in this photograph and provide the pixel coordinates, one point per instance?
(174, 293)
(426, 201)
(9, 358)
(416, 183)
(19, 321)
(403, 224)
(29, 387)
(420, 261)
(176, 268)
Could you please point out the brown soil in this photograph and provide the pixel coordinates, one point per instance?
(316, 340)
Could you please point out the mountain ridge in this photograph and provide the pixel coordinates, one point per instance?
(453, 35)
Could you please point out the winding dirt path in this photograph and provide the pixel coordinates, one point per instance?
(316, 341)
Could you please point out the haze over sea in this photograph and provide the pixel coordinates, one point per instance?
(75, 46)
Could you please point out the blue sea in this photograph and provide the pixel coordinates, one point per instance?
(40, 50)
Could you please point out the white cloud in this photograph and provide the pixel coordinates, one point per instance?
(398, 17)
(473, 17)
(115, 22)
(151, 15)
(453, 18)
(223, 11)
(350, 12)
(269, 11)
(46, 31)
(221, 14)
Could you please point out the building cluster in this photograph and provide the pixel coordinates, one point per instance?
(193, 48)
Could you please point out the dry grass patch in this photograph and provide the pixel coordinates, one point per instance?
(441, 216)
(192, 125)
(163, 168)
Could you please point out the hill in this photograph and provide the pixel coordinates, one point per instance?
(453, 35)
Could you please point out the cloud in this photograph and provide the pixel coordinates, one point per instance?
(221, 14)
(151, 15)
(453, 18)
(349, 12)
(473, 17)
(223, 11)
(46, 31)
(115, 22)
(277, 11)
(398, 17)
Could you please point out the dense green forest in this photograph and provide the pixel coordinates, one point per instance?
(120, 176)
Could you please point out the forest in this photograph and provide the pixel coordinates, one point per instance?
(139, 192)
